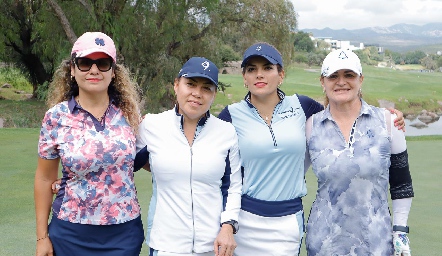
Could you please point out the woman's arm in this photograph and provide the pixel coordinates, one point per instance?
(308, 134)
(401, 188)
(142, 157)
(45, 174)
(231, 187)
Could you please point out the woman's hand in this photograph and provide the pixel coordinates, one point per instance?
(399, 121)
(44, 247)
(56, 186)
(225, 242)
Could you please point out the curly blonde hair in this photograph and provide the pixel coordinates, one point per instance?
(124, 92)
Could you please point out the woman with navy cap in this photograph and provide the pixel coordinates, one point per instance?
(271, 133)
(195, 165)
(270, 127)
(90, 129)
(357, 156)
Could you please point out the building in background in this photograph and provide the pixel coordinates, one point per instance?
(329, 44)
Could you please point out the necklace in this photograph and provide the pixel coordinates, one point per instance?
(264, 116)
(99, 119)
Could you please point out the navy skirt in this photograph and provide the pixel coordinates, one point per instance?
(73, 239)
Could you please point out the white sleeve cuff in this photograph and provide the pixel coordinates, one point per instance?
(401, 209)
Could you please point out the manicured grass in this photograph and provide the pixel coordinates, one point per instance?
(411, 91)
(18, 158)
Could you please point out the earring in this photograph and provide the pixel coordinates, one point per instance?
(246, 86)
(72, 78)
(279, 85)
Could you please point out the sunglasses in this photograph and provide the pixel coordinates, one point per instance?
(85, 64)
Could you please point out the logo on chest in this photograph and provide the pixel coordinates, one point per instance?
(287, 113)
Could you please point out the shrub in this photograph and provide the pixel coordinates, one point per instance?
(16, 78)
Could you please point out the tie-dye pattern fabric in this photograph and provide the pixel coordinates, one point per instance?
(97, 186)
(350, 215)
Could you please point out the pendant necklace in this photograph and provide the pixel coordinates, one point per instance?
(99, 119)
(266, 117)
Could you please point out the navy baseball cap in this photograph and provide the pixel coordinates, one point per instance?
(200, 67)
(263, 50)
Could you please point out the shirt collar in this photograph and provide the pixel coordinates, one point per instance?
(365, 110)
(201, 122)
(72, 104)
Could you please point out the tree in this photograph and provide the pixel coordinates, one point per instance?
(19, 33)
(429, 62)
(154, 37)
(439, 61)
(303, 42)
(397, 58)
(322, 45)
(414, 57)
(301, 58)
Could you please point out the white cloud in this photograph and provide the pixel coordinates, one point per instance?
(352, 14)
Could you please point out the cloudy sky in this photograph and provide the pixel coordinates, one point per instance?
(354, 14)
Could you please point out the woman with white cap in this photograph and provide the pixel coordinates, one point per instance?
(357, 155)
(271, 133)
(195, 165)
(90, 129)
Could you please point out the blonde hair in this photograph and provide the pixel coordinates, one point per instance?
(124, 92)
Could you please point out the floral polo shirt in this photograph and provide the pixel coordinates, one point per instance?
(97, 164)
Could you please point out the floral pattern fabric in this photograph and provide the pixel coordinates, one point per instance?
(350, 215)
(97, 185)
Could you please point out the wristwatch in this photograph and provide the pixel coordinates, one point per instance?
(234, 225)
(405, 229)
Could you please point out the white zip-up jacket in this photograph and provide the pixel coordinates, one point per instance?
(195, 188)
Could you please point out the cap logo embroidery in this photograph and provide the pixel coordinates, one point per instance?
(342, 55)
(258, 48)
(99, 41)
(205, 65)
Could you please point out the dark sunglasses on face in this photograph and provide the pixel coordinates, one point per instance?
(85, 64)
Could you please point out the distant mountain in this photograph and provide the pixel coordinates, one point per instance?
(399, 37)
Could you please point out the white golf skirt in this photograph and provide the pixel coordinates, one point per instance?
(266, 236)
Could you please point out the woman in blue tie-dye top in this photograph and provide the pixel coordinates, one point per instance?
(357, 155)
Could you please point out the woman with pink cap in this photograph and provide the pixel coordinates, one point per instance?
(90, 130)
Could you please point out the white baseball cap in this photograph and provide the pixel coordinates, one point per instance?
(341, 59)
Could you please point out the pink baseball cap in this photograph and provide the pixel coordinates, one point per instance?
(91, 42)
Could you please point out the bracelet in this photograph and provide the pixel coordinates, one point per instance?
(405, 229)
(41, 238)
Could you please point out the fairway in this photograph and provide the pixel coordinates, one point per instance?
(410, 91)
(18, 158)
